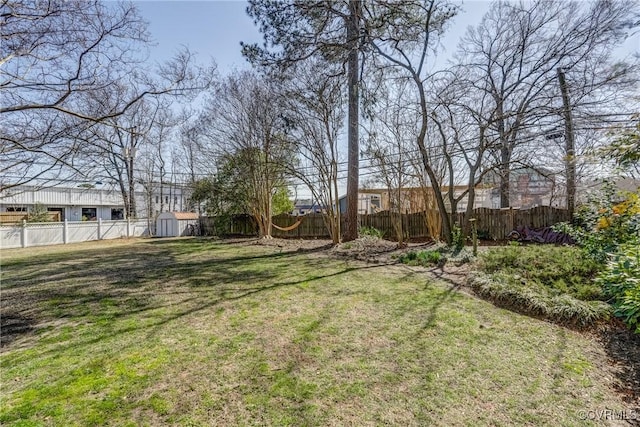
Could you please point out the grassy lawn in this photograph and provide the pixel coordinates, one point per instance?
(196, 332)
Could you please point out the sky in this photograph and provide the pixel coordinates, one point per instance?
(214, 28)
(211, 29)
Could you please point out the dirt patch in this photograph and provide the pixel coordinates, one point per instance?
(292, 245)
(370, 250)
(367, 249)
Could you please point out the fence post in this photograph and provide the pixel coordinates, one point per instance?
(510, 223)
(65, 232)
(474, 235)
(99, 228)
(23, 234)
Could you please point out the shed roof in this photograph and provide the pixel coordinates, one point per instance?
(180, 215)
(186, 215)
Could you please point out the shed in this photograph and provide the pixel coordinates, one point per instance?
(174, 224)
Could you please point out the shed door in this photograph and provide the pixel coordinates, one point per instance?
(165, 228)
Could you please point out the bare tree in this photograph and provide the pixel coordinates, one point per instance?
(114, 146)
(298, 30)
(55, 54)
(315, 115)
(244, 127)
(156, 161)
(391, 150)
(514, 55)
(405, 43)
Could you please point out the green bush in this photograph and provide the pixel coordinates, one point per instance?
(430, 257)
(621, 282)
(529, 298)
(628, 308)
(457, 239)
(561, 270)
(608, 230)
(547, 281)
(39, 214)
(424, 258)
(370, 231)
(484, 235)
(609, 219)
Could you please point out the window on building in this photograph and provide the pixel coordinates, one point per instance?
(117, 214)
(89, 214)
(166, 199)
(157, 200)
(16, 209)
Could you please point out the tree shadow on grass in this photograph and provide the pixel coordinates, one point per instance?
(199, 304)
(127, 283)
(162, 255)
(12, 326)
(441, 298)
(452, 288)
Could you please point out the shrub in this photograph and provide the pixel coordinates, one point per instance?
(621, 282)
(39, 214)
(608, 220)
(438, 256)
(457, 239)
(559, 269)
(370, 232)
(628, 308)
(608, 229)
(527, 298)
(551, 282)
(424, 258)
(430, 257)
(484, 235)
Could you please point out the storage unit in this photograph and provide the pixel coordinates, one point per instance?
(174, 224)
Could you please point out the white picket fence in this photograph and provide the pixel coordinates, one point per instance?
(57, 233)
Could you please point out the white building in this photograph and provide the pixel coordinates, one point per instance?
(162, 198)
(74, 204)
(86, 204)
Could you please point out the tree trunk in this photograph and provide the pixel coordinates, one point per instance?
(570, 163)
(337, 216)
(125, 197)
(132, 196)
(351, 229)
(504, 172)
(471, 199)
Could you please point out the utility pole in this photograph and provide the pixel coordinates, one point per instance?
(570, 158)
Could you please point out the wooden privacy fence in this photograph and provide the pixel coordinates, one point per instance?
(493, 224)
(18, 217)
(496, 224)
